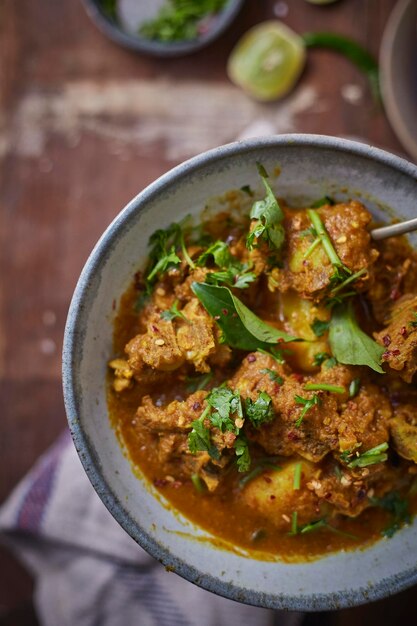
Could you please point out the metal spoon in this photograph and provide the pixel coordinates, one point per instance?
(395, 229)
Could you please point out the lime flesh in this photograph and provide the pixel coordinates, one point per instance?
(267, 61)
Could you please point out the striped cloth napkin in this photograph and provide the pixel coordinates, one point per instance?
(89, 572)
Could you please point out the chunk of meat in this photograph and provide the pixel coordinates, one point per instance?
(167, 345)
(195, 337)
(403, 429)
(157, 348)
(334, 425)
(400, 338)
(310, 274)
(171, 425)
(395, 275)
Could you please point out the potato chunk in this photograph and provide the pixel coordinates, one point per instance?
(273, 495)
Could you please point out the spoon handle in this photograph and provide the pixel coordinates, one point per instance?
(395, 229)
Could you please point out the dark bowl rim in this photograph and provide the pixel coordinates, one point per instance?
(73, 332)
(160, 49)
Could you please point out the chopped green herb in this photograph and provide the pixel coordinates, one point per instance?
(225, 403)
(370, 457)
(320, 358)
(308, 404)
(247, 189)
(330, 363)
(294, 523)
(163, 254)
(232, 277)
(320, 327)
(242, 452)
(179, 20)
(259, 469)
(166, 262)
(172, 313)
(341, 273)
(198, 483)
(399, 509)
(260, 411)
(322, 202)
(269, 216)
(322, 523)
(311, 248)
(276, 378)
(297, 476)
(336, 295)
(220, 252)
(349, 344)
(196, 383)
(324, 387)
(275, 353)
(241, 328)
(199, 439)
(354, 387)
(346, 455)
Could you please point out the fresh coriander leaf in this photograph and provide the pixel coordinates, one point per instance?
(330, 363)
(354, 387)
(199, 439)
(242, 281)
(319, 327)
(320, 358)
(276, 378)
(308, 404)
(349, 344)
(322, 202)
(197, 383)
(220, 253)
(243, 455)
(294, 523)
(370, 457)
(165, 263)
(241, 328)
(172, 313)
(261, 467)
(225, 403)
(231, 277)
(346, 455)
(269, 216)
(260, 411)
(276, 353)
(322, 523)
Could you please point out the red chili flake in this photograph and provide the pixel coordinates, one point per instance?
(386, 340)
(292, 436)
(251, 358)
(280, 340)
(225, 311)
(395, 352)
(160, 482)
(155, 328)
(271, 497)
(404, 332)
(395, 294)
(298, 377)
(267, 479)
(277, 387)
(196, 406)
(177, 484)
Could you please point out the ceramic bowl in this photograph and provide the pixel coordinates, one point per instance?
(311, 166)
(398, 62)
(114, 31)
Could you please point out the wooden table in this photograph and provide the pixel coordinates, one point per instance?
(85, 125)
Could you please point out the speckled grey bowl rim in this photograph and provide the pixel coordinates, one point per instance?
(74, 333)
(161, 49)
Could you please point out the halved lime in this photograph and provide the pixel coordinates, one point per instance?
(267, 61)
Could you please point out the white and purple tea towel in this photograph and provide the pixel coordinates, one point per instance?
(89, 572)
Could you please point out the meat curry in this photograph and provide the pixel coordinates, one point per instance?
(263, 374)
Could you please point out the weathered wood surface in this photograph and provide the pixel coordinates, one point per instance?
(84, 126)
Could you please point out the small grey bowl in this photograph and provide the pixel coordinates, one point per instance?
(310, 166)
(159, 48)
